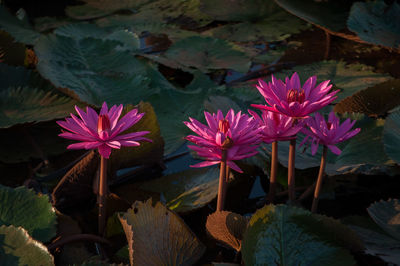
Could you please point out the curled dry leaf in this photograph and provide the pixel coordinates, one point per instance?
(227, 227)
(157, 236)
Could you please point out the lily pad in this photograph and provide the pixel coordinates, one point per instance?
(22, 207)
(18, 248)
(391, 136)
(188, 190)
(373, 101)
(92, 70)
(206, 53)
(22, 105)
(276, 237)
(376, 22)
(20, 30)
(387, 215)
(157, 236)
(348, 78)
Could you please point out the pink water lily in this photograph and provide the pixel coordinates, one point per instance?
(292, 99)
(102, 131)
(238, 134)
(328, 133)
(277, 127)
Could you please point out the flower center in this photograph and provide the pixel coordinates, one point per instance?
(295, 95)
(223, 126)
(103, 124)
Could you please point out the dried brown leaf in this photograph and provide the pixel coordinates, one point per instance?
(157, 236)
(227, 227)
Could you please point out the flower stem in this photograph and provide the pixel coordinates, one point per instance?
(102, 195)
(274, 168)
(75, 238)
(291, 167)
(319, 181)
(222, 182)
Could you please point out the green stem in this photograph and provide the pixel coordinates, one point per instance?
(291, 168)
(102, 195)
(222, 182)
(320, 180)
(274, 169)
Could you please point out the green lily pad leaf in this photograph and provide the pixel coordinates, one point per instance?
(188, 190)
(376, 22)
(78, 31)
(92, 70)
(276, 27)
(157, 236)
(11, 76)
(331, 15)
(374, 101)
(391, 136)
(94, 9)
(239, 10)
(206, 53)
(21, 31)
(348, 78)
(18, 248)
(387, 215)
(22, 105)
(275, 237)
(22, 207)
(44, 24)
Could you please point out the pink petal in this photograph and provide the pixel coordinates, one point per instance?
(335, 149)
(104, 151)
(204, 164)
(234, 166)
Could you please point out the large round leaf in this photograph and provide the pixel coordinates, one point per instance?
(348, 78)
(207, 53)
(188, 190)
(391, 136)
(22, 207)
(157, 236)
(93, 70)
(387, 215)
(18, 248)
(275, 236)
(376, 22)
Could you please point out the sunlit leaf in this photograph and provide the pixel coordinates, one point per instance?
(22, 207)
(188, 190)
(348, 78)
(275, 237)
(92, 70)
(205, 53)
(18, 248)
(21, 31)
(157, 236)
(387, 215)
(373, 101)
(391, 136)
(227, 227)
(376, 22)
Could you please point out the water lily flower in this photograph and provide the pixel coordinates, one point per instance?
(277, 127)
(328, 133)
(102, 131)
(237, 134)
(292, 99)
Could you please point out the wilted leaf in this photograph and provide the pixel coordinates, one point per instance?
(376, 22)
(276, 27)
(188, 190)
(373, 101)
(18, 248)
(348, 78)
(205, 53)
(76, 185)
(93, 70)
(275, 237)
(387, 215)
(227, 227)
(157, 236)
(391, 136)
(22, 207)
(21, 31)
(24, 104)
